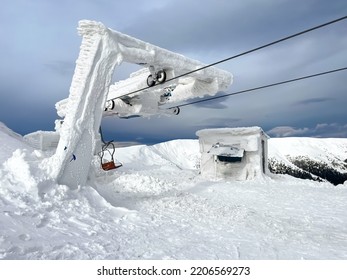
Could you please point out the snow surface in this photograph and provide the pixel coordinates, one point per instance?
(157, 206)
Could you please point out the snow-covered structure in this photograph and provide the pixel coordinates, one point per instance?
(43, 140)
(240, 153)
(91, 95)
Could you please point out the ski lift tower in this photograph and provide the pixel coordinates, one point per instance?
(92, 96)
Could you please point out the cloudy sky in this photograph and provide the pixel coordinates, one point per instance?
(39, 46)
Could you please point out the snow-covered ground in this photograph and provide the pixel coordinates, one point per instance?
(157, 206)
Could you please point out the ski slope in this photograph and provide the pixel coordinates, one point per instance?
(158, 207)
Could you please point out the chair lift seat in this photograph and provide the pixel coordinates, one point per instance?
(108, 165)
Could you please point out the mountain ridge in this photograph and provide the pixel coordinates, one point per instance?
(319, 159)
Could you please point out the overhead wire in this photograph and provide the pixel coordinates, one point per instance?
(260, 87)
(238, 55)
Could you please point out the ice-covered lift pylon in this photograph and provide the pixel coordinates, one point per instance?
(103, 49)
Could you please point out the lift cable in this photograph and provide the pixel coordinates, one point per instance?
(260, 87)
(238, 55)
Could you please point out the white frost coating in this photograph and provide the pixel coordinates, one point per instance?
(240, 131)
(140, 52)
(231, 151)
(243, 151)
(198, 84)
(101, 51)
(148, 102)
(79, 132)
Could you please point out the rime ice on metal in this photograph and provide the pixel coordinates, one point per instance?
(92, 95)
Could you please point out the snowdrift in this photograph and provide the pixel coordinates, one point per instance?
(158, 207)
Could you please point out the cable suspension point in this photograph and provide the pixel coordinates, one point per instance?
(240, 54)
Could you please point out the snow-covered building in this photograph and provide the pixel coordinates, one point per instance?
(239, 153)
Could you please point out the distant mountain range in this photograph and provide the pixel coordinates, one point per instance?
(319, 159)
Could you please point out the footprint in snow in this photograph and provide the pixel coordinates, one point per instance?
(24, 237)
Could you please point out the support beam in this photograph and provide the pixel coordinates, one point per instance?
(80, 131)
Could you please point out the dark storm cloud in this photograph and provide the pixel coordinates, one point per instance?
(148, 130)
(332, 130)
(230, 25)
(313, 101)
(23, 114)
(217, 103)
(64, 68)
(215, 122)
